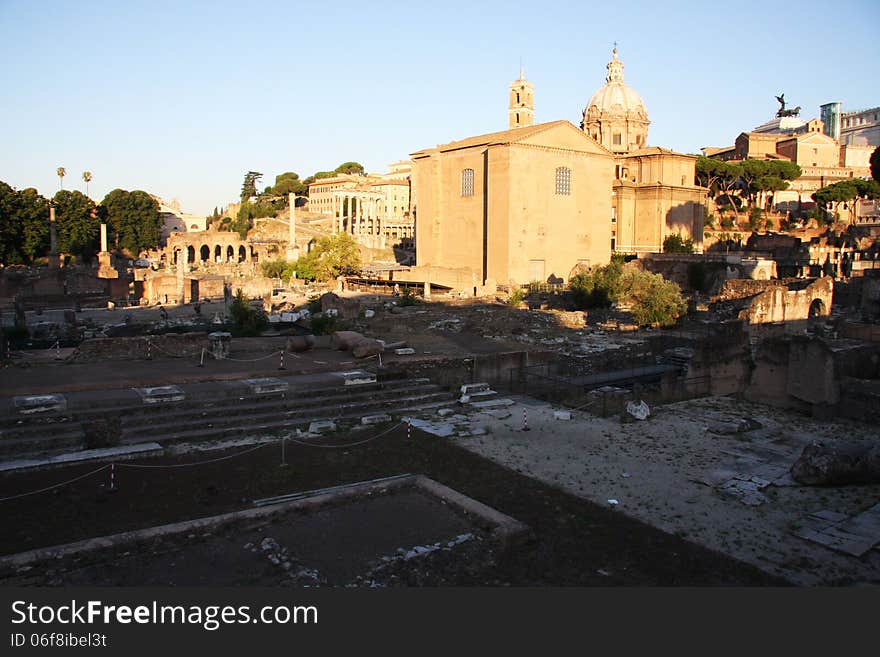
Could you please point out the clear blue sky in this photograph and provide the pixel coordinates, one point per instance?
(182, 98)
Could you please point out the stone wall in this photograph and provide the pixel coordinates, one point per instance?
(498, 369)
(167, 345)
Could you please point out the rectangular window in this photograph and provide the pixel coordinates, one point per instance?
(615, 139)
(467, 182)
(563, 181)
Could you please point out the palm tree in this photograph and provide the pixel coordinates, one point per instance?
(87, 177)
(61, 173)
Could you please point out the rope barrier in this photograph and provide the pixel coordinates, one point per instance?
(360, 442)
(142, 466)
(188, 465)
(251, 360)
(48, 488)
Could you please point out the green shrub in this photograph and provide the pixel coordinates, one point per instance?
(326, 324)
(653, 299)
(246, 320)
(598, 289)
(314, 305)
(408, 298)
(756, 218)
(516, 297)
(675, 244)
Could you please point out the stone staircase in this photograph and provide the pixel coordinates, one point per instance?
(200, 412)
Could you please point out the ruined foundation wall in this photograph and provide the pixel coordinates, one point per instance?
(180, 344)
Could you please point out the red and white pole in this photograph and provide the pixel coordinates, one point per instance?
(525, 426)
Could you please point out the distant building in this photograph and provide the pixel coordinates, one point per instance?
(542, 202)
(513, 207)
(176, 221)
(373, 208)
(861, 128)
(653, 193)
(812, 145)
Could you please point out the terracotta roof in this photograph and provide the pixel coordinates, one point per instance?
(655, 150)
(494, 138)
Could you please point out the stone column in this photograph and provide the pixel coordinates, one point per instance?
(53, 237)
(182, 259)
(103, 238)
(292, 251)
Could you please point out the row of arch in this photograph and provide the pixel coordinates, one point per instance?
(219, 255)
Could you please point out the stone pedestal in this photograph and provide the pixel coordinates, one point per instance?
(105, 266)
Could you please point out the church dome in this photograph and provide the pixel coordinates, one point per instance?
(616, 95)
(616, 115)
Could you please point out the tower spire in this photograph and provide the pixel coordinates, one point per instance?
(521, 111)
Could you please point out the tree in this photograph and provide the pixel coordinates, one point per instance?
(24, 225)
(331, 256)
(286, 183)
(675, 244)
(61, 171)
(652, 299)
(78, 229)
(87, 178)
(135, 222)
(719, 177)
(350, 167)
(247, 321)
(249, 187)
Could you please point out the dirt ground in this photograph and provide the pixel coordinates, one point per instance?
(660, 470)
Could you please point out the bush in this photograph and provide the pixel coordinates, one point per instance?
(326, 324)
(727, 222)
(331, 256)
(408, 298)
(246, 320)
(516, 297)
(277, 269)
(598, 289)
(653, 299)
(756, 218)
(675, 244)
(314, 305)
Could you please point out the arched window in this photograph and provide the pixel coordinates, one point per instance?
(563, 181)
(467, 182)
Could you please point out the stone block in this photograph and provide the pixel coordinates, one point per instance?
(323, 426)
(266, 385)
(378, 418)
(562, 415)
(32, 404)
(161, 394)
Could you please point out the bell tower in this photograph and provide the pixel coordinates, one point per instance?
(522, 102)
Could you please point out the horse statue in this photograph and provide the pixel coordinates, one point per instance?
(786, 112)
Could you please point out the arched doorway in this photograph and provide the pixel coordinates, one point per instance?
(218, 254)
(230, 254)
(242, 254)
(191, 254)
(204, 253)
(817, 309)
